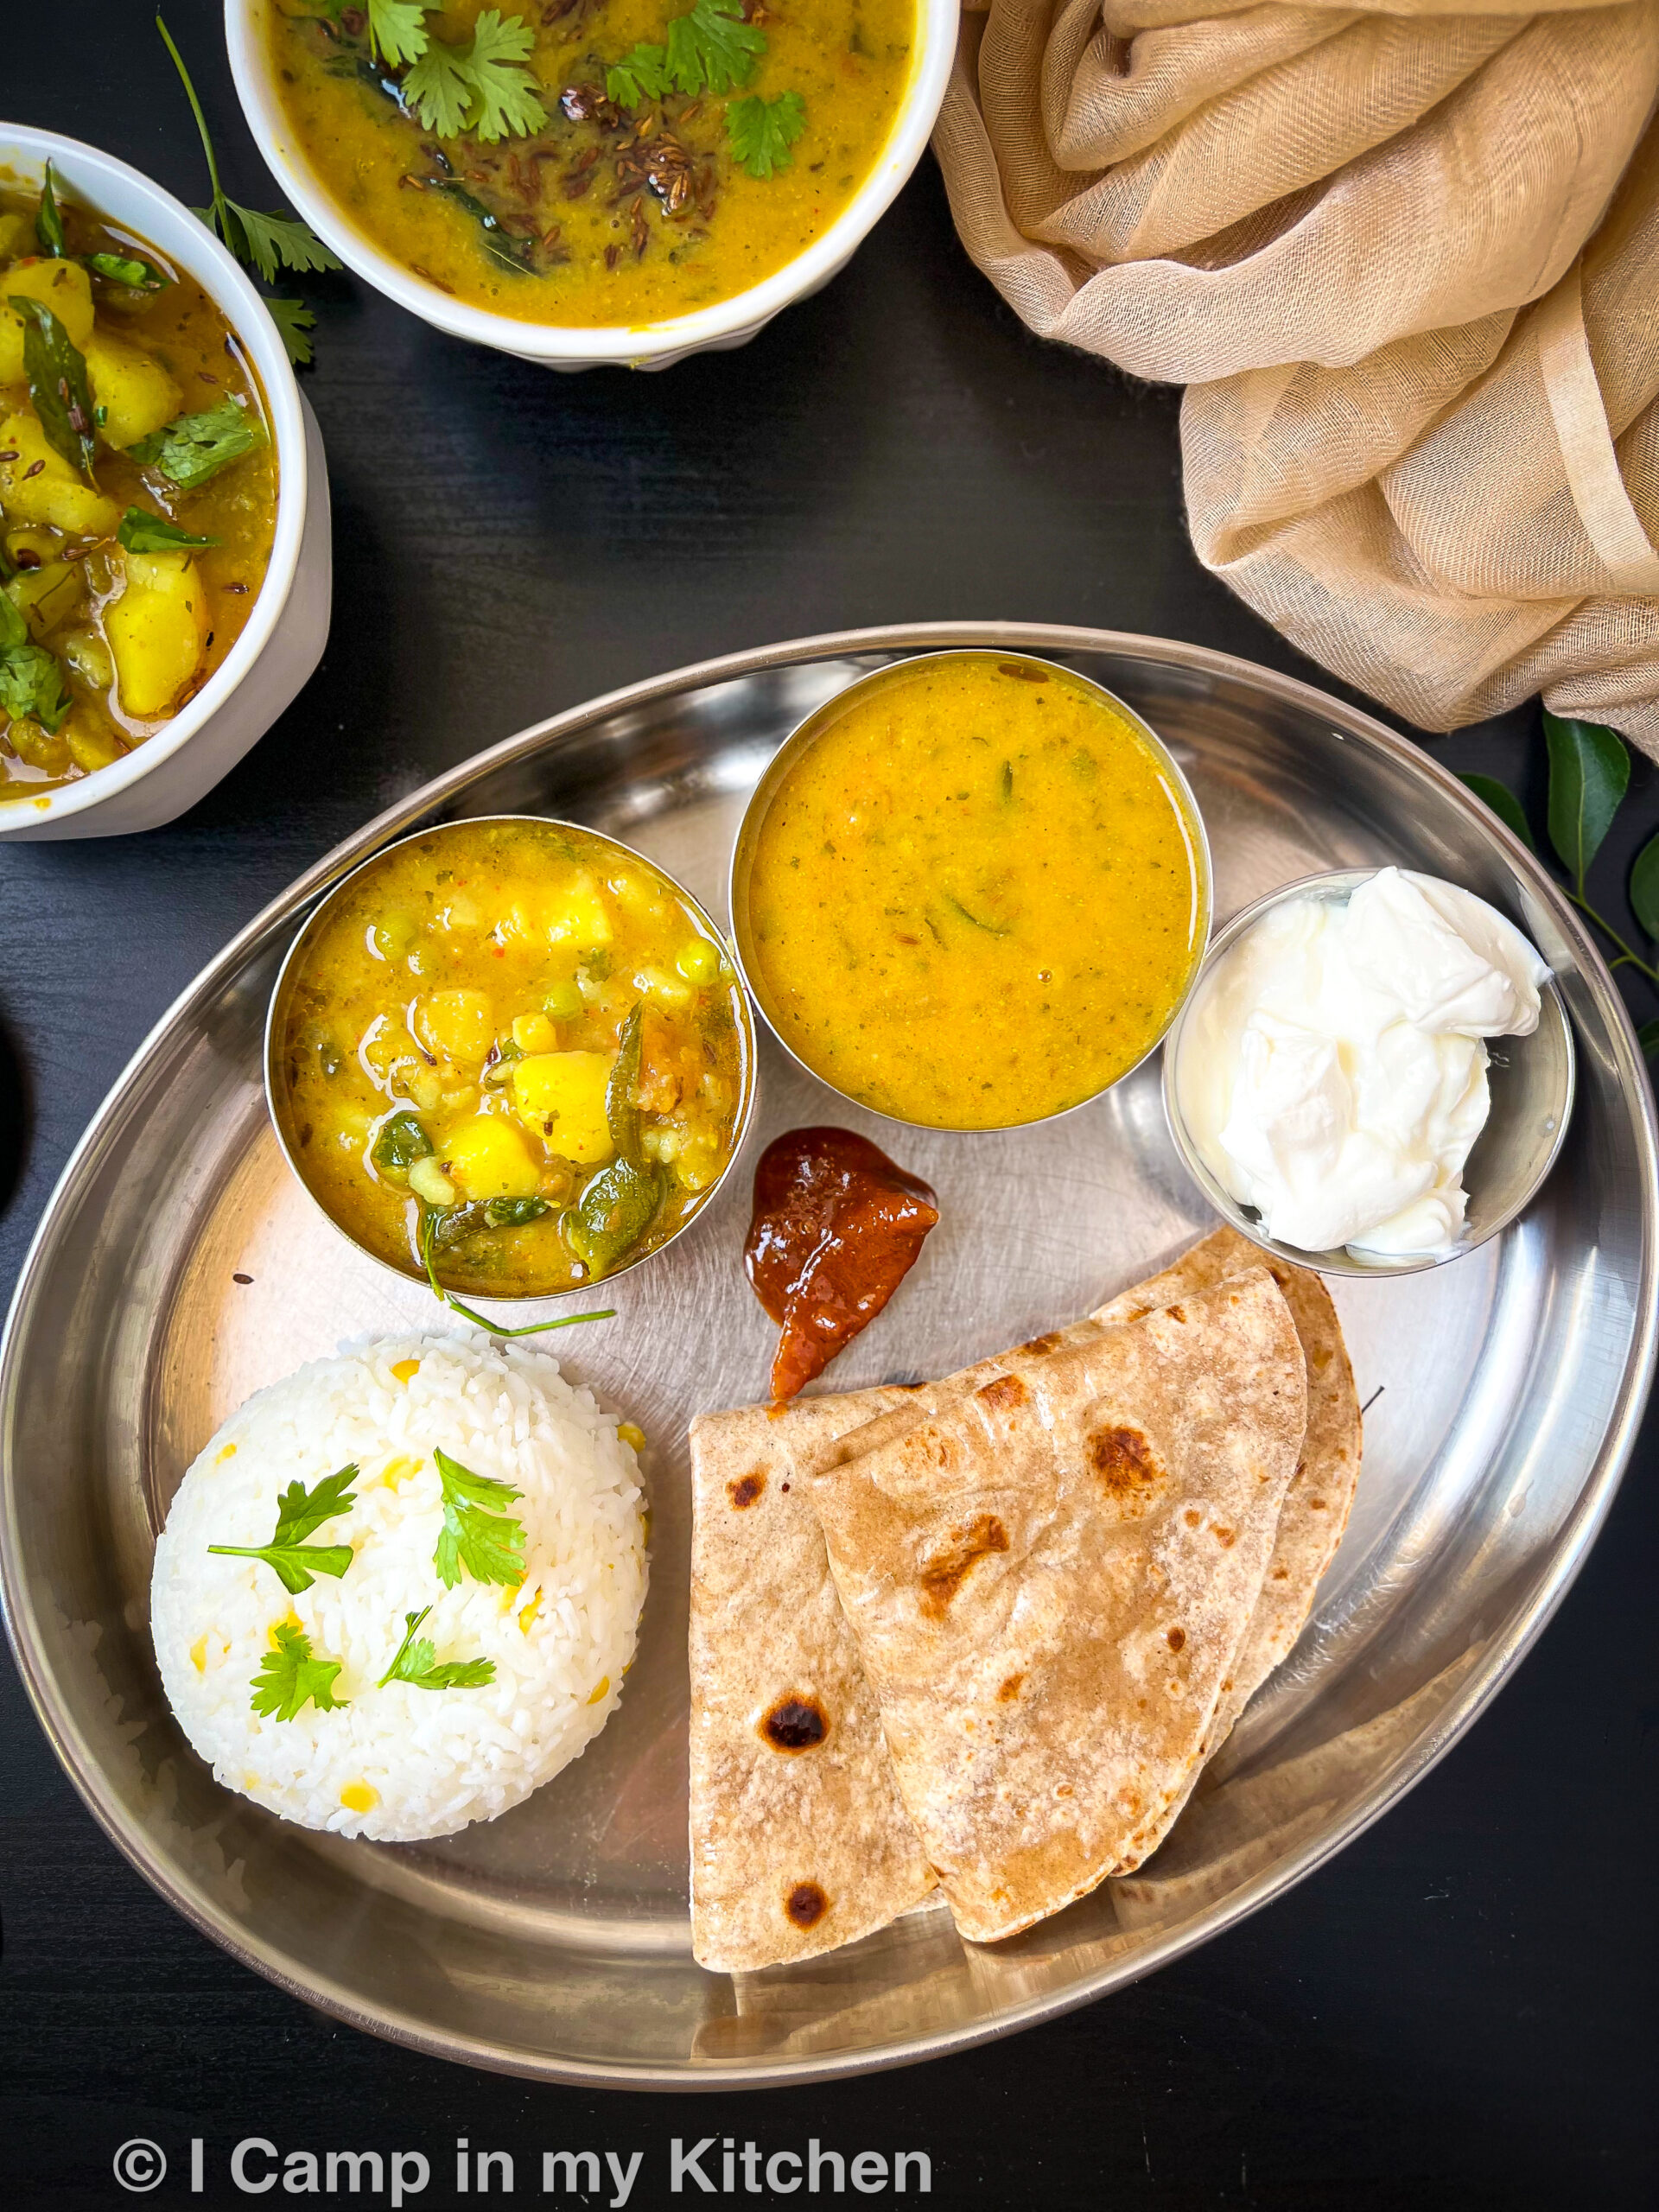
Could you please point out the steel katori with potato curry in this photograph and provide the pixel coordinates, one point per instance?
(137, 491)
(511, 1056)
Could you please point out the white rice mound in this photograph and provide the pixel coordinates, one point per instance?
(403, 1763)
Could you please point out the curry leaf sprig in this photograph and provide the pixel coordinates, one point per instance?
(300, 1513)
(264, 243)
(477, 1534)
(415, 1663)
(59, 392)
(1589, 775)
(485, 85)
(129, 270)
(290, 1677)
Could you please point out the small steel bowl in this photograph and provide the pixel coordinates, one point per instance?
(1531, 1105)
(275, 1026)
(806, 732)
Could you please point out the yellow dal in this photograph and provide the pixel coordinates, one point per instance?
(972, 900)
(849, 61)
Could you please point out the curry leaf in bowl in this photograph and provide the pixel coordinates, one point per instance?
(56, 372)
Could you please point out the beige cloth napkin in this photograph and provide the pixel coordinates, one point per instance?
(1421, 435)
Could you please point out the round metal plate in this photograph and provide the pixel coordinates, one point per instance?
(1505, 1393)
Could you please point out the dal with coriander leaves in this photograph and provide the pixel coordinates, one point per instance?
(597, 161)
(138, 490)
(510, 1054)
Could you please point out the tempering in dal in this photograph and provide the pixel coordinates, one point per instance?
(621, 162)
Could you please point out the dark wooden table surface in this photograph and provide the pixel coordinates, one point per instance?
(1460, 2011)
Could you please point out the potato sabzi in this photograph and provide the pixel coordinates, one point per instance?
(138, 490)
(592, 162)
(512, 1054)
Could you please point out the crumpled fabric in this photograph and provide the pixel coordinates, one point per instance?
(1406, 261)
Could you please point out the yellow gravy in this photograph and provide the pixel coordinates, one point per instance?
(605, 213)
(975, 898)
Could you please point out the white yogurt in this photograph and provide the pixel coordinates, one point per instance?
(1332, 1074)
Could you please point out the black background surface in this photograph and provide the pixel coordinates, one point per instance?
(1457, 2012)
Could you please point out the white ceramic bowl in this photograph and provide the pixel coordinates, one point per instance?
(648, 346)
(286, 630)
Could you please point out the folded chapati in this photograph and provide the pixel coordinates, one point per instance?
(799, 1839)
(1320, 1494)
(1049, 1578)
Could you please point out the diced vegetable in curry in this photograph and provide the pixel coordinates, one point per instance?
(137, 491)
(591, 161)
(513, 1050)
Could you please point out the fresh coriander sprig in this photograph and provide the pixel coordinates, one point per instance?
(31, 679)
(711, 49)
(290, 1677)
(485, 85)
(299, 1512)
(428, 1231)
(477, 1534)
(265, 243)
(414, 1663)
(192, 448)
(762, 131)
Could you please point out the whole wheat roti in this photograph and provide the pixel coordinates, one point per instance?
(774, 1828)
(799, 1839)
(1322, 1492)
(1049, 1577)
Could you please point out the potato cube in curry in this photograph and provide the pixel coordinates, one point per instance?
(63, 286)
(560, 1096)
(38, 486)
(487, 1157)
(137, 393)
(155, 630)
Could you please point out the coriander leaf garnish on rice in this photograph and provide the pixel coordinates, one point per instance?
(414, 1663)
(299, 1512)
(476, 1535)
(290, 1676)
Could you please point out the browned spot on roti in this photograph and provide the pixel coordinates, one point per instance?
(1226, 1538)
(930, 1447)
(943, 1575)
(1127, 1465)
(1177, 1312)
(1316, 1504)
(1038, 1345)
(1003, 1394)
(1010, 1689)
(806, 1905)
(1192, 1516)
(744, 1491)
(795, 1724)
(1176, 1638)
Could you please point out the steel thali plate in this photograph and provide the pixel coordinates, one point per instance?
(1505, 1390)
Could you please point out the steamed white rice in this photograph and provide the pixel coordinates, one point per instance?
(403, 1763)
